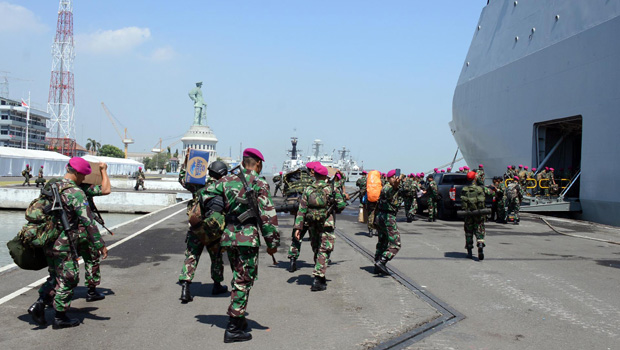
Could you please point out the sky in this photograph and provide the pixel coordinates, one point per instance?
(376, 77)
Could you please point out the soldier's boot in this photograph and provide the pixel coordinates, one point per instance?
(319, 284)
(186, 296)
(481, 246)
(381, 266)
(409, 218)
(93, 295)
(61, 320)
(37, 312)
(293, 266)
(235, 331)
(469, 252)
(218, 288)
(370, 234)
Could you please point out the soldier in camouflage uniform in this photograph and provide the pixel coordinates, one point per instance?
(86, 249)
(277, 181)
(61, 254)
(317, 207)
(241, 234)
(480, 172)
(473, 199)
(514, 196)
(40, 179)
(433, 193)
(140, 180)
(388, 244)
(543, 182)
(361, 185)
(408, 192)
(201, 237)
(295, 248)
(27, 175)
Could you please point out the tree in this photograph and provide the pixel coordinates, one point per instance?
(160, 160)
(147, 163)
(93, 144)
(176, 153)
(111, 151)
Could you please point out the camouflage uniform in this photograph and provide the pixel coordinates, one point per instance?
(361, 185)
(543, 177)
(277, 181)
(62, 262)
(86, 249)
(312, 213)
(432, 199)
(197, 242)
(480, 174)
(241, 240)
(27, 175)
(140, 180)
(40, 179)
(408, 193)
(389, 237)
(474, 224)
(500, 199)
(514, 202)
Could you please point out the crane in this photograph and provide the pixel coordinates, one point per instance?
(127, 139)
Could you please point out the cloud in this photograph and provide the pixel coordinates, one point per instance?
(112, 41)
(163, 54)
(17, 19)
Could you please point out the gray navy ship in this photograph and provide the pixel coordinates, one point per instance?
(541, 86)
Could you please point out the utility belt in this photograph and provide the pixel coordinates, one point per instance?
(240, 220)
(387, 212)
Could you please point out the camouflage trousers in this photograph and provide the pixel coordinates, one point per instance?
(295, 249)
(244, 265)
(389, 237)
(90, 255)
(501, 208)
(139, 182)
(513, 208)
(411, 205)
(371, 209)
(326, 247)
(275, 191)
(432, 208)
(474, 225)
(26, 180)
(194, 250)
(63, 274)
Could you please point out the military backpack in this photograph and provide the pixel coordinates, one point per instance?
(42, 227)
(511, 191)
(318, 201)
(472, 198)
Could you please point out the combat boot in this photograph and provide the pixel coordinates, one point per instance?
(93, 295)
(293, 266)
(319, 284)
(481, 251)
(37, 312)
(381, 266)
(235, 331)
(218, 288)
(370, 234)
(62, 321)
(186, 296)
(469, 252)
(409, 219)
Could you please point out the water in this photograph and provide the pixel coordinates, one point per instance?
(13, 220)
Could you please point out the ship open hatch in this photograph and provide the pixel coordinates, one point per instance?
(557, 144)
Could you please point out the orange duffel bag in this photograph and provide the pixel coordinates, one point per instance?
(373, 186)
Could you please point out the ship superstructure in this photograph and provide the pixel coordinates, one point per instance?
(540, 86)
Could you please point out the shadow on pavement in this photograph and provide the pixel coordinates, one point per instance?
(301, 280)
(455, 255)
(203, 290)
(221, 321)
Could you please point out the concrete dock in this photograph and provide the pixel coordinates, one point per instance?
(541, 286)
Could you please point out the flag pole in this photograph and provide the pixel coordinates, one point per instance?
(27, 119)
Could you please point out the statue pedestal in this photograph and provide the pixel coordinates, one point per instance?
(200, 137)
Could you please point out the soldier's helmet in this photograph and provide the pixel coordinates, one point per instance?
(217, 169)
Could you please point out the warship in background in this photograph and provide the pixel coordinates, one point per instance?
(294, 161)
(540, 86)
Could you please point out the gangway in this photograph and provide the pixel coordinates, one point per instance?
(561, 203)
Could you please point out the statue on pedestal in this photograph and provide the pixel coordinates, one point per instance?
(200, 107)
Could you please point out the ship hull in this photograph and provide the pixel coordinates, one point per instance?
(566, 70)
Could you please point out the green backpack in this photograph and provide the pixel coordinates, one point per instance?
(472, 198)
(42, 226)
(318, 201)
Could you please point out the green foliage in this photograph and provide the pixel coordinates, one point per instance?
(111, 151)
(159, 161)
(176, 153)
(93, 144)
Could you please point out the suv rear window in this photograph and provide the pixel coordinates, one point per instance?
(454, 179)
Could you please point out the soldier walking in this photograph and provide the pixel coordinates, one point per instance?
(317, 207)
(140, 180)
(473, 201)
(40, 180)
(242, 194)
(61, 254)
(277, 181)
(433, 193)
(388, 244)
(27, 175)
(514, 196)
(204, 235)
(408, 193)
(296, 240)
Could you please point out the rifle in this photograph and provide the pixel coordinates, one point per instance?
(253, 203)
(57, 206)
(98, 217)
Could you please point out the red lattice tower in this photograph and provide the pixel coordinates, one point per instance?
(61, 100)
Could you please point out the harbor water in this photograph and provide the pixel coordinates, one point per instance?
(13, 220)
